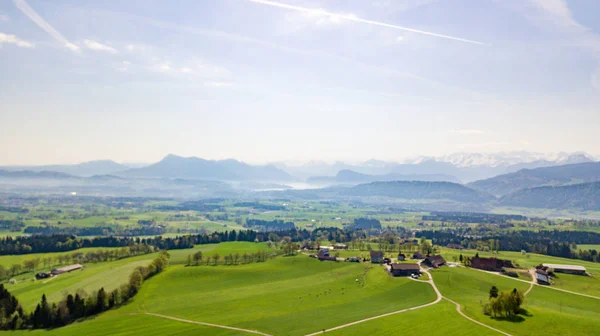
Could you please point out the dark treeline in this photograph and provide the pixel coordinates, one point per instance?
(366, 223)
(471, 217)
(74, 307)
(64, 243)
(14, 225)
(95, 231)
(549, 242)
(273, 225)
(259, 206)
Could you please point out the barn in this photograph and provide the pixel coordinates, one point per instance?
(404, 269)
(66, 269)
(569, 269)
(434, 261)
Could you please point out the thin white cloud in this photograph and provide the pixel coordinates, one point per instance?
(12, 39)
(354, 18)
(37, 19)
(468, 132)
(4, 18)
(97, 46)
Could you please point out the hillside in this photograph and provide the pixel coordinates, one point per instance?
(419, 190)
(173, 166)
(531, 178)
(585, 196)
(347, 176)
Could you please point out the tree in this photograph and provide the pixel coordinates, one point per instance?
(216, 257)
(135, 282)
(493, 292)
(101, 299)
(460, 257)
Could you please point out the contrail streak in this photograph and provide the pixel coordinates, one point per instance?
(37, 19)
(357, 19)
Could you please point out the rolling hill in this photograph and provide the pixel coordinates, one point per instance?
(419, 190)
(585, 196)
(173, 166)
(531, 178)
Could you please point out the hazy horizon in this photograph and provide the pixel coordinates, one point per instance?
(269, 81)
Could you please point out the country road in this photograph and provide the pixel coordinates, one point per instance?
(475, 321)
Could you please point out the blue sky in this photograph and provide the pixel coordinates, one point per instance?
(296, 80)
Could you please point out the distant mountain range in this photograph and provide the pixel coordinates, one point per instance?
(465, 167)
(531, 178)
(584, 196)
(173, 166)
(99, 167)
(347, 176)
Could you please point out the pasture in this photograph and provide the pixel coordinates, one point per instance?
(284, 296)
(554, 311)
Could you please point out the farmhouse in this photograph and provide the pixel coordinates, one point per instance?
(541, 277)
(66, 269)
(434, 261)
(324, 255)
(340, 246)
(455, 246)
(376, 257)
(490, 264)
(404, 269)
(569, 269)
(418, 255)
(401, 257)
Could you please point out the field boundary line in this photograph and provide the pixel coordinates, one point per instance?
(207, 324)
(437, 300)
(475, 321)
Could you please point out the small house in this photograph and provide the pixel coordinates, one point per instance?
(376, 257)
(455, 246)
(353, 259)
(434, 261)
(404, 269)
(401, 257)
(340, 246)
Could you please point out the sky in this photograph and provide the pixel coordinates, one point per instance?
(265, 81)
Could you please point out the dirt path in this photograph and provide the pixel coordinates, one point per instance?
(208, 324)
(437, 300)
(537, 284)
(533, 282)
(475, 321)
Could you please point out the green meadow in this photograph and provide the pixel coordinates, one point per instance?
(554, 311)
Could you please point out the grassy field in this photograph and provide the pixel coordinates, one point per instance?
(109, 275)
(284, 296)
(408, 322)
(588, 247)
(547, 309)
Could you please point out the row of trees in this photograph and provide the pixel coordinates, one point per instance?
(77, 306)
(197, 259)
(64, 243)
(35, 264)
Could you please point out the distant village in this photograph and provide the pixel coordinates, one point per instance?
(400, 266)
